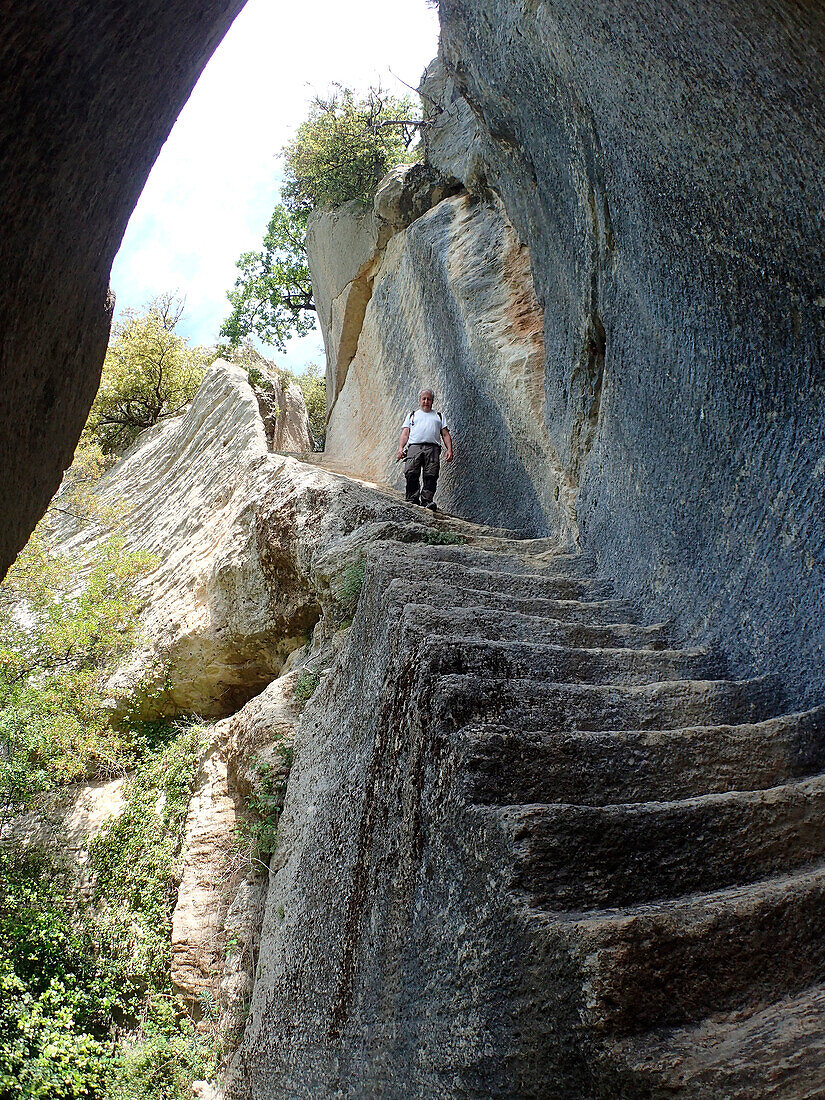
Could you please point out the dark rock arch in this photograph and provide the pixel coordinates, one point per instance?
(90, 92)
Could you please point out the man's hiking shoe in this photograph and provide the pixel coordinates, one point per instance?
(431, 504)
(412, 500)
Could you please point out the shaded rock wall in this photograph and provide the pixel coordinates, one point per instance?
(662, 164)
(90, 92)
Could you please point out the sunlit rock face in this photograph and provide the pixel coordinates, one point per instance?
(447, 302)
(662, 163)
(90, 92)
(224, 605)
(251, 550)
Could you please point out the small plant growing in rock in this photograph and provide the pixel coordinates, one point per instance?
(305, 684)
(266, 804)
(350, 590)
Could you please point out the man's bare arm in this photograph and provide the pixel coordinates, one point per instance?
(402, 443)
(448, 443)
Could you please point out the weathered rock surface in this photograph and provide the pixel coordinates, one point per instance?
(282, 408)
(216, 622)
(211, 865)
(228, 600)
(662, 167)
(467, 903)
(344, 249)
(90, 92)
(447, 302)
(253, 550)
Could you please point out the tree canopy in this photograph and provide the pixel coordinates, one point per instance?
(345, 148)
(150, 372)
(272, 297)
(341, 152)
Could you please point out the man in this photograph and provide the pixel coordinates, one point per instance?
(420, 443)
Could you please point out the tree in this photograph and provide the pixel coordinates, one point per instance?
(346, 147)
(341, 152)
(272, 297)
(150, 373)
(313, 386)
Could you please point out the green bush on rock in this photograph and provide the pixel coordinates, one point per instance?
(87, 1008)
(86, 1003)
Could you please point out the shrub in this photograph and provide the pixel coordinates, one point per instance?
(305, 684)
(60, 639)
(350, 590)
(86, 1004)
(266, 803)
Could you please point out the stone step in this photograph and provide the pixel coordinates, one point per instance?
(681, 961)
(507, 765)
(521, 584)
(773, 1053)
(566, 664)
(606, 857)
(598, 612)
(532, 705)
(571, 565)
(497, 625)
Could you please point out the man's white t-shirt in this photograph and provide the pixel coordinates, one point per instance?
(425, 427)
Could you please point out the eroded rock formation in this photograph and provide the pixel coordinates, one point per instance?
(224, 606)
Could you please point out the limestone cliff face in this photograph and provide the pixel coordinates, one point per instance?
(661, 166)
(624, 319)
(448, 302)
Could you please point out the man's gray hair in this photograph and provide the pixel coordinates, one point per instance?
(427, 390)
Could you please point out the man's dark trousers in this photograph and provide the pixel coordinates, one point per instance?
(423, 461)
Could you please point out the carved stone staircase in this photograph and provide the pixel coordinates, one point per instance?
(659, 827)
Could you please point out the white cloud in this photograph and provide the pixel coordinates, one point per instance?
(213, 187)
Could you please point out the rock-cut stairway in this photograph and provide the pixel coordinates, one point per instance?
(658, 828)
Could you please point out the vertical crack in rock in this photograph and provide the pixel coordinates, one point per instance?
(588, 375)
(356, 297)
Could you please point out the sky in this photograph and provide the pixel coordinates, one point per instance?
(212, 189)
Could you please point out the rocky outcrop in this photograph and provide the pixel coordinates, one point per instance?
(253, 550)
(533, 848)
(281, 405)
(90, 93)
(223, 607)
(446, 302)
